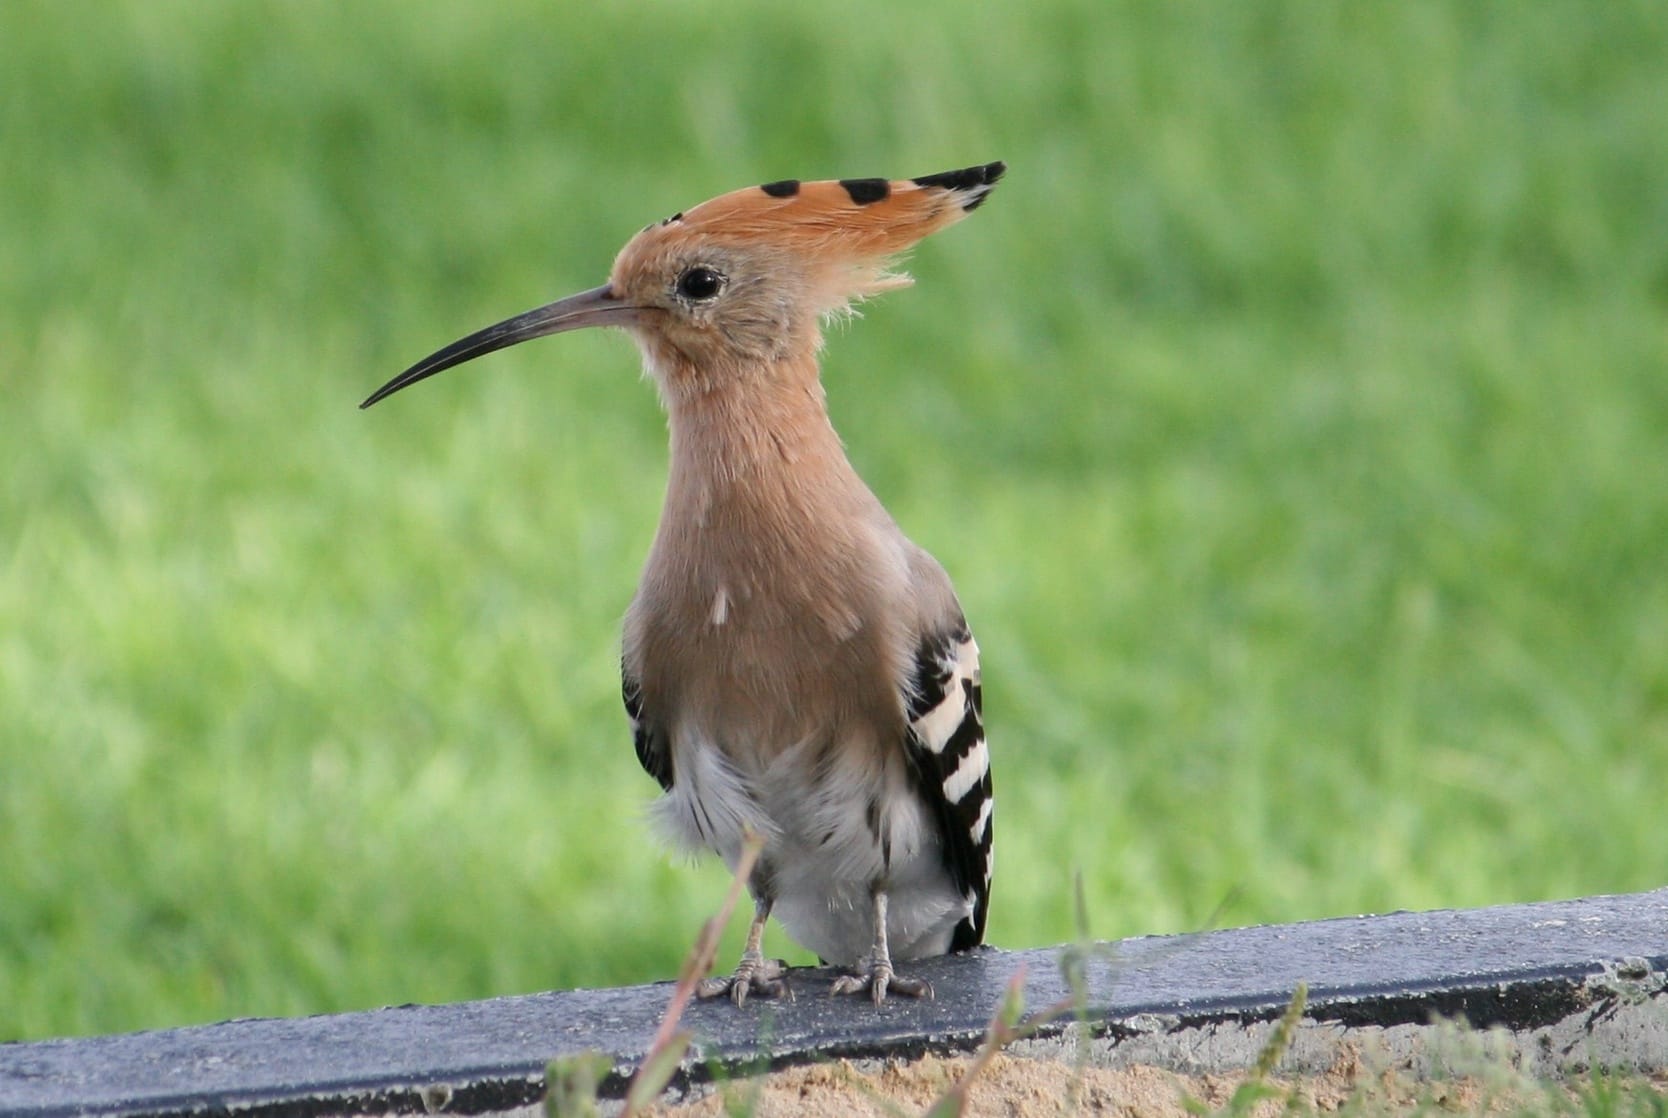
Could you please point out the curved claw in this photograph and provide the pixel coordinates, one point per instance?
(754, 975)
(878, 978)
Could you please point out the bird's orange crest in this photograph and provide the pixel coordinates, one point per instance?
(850, 228)
(866, 218)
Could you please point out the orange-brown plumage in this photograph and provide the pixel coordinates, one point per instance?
(822, 220)
(792, 663)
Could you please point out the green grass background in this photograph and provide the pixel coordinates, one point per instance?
(1294, 422)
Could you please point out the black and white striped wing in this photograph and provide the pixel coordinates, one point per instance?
(652, 750)
(951, 766)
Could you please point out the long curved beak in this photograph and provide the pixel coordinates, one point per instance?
(596, 307)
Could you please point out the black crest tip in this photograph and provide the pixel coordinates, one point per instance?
(976, 182)
(866, 191)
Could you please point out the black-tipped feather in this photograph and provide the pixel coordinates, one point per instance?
(975, 181)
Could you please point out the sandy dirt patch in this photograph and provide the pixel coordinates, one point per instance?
(1013, 1087)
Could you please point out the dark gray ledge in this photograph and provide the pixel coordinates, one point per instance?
(1563, 977)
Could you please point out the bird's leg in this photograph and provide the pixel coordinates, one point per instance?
(755, 974)
(874, 971)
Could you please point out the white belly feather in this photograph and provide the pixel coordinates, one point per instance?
(825, 854)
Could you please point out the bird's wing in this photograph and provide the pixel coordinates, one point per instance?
(950, 765)
(654, 752)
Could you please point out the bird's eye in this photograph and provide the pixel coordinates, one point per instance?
(700, 283)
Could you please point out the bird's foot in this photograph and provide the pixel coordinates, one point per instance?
(754, 975)
(878, 978)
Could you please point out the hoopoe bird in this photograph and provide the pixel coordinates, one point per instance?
(792, 664)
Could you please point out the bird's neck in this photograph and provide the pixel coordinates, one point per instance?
(762, 505)
(752, 437)
(766, 527)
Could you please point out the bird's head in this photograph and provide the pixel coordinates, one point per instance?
(740, 282)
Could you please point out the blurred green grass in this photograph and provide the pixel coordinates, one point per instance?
(1294, 422)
